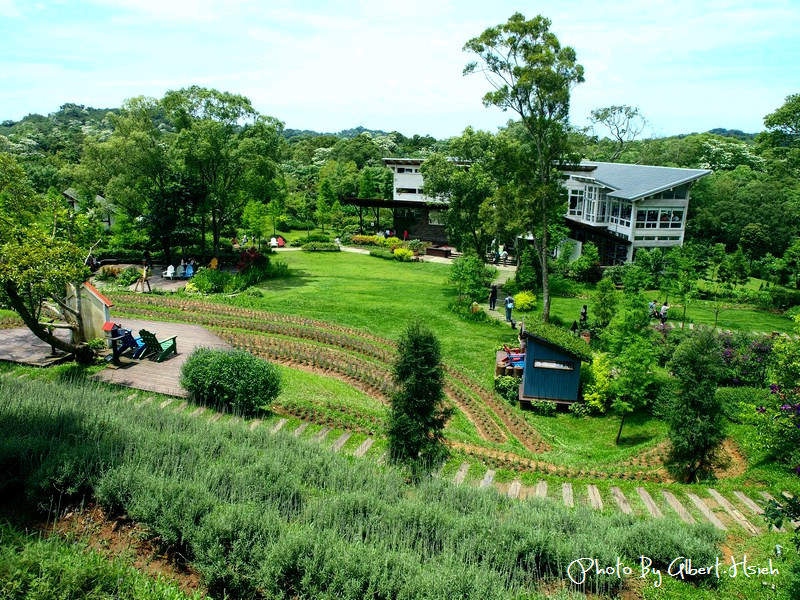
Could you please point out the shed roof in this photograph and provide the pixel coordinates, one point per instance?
(93, 290)
(558, 339)
(631, 182)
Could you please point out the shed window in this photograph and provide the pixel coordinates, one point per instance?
(558, 365)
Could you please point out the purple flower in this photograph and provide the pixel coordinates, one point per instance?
(774, 388)
(787, 407)
(761, 410)
(797, 470)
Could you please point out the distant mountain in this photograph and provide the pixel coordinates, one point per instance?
(734, 133)
(343, 134)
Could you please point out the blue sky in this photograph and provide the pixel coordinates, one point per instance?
(688, 65)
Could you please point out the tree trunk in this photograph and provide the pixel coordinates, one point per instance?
(83, 354)
(545, 270)
(203, 238)
(165, 246)
(215, 233)
(621, 423)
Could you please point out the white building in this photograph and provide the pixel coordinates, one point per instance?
(622, 207)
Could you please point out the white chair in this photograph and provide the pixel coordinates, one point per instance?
(169, 273)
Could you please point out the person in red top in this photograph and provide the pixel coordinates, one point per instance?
(405, 235)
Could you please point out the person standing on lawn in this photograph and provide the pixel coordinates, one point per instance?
(509, 304)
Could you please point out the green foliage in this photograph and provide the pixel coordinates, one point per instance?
(563, 287)
(633, 387)
(508, 388)
(525, 301)
(471, 277)
(382, 253)
(259, 513)
(544, 408)
(211, 281)
(233, 379)
(528, 277)
(313, 237)
(740, 403)
(586, 267)
(33, 568)
(560, 337)
(418, 413)
(403, 254)
(604, 302)
(597, 391)
(128, 276)
(696, 416)
(321, 247)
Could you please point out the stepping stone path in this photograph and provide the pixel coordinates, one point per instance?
(514, 488)
(622, 501)
(181, 406)
(541, 489)
(165, 403)
(754, 508)
(255, 424)
(382, 458)
(678, 507)
(298, 432)
(566, 495)
(487, 479)
(320, 435)
(341, 441)
(278, 426)
(462, 473)
(594, 497)
(215, 417)
(703, 508)
(197, 411)
(733, 512)
(131, 397)
(649, 503)
(362, 449)
(144, 402)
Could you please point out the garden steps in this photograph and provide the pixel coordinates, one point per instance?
(733, 512)
(255, 424)
(514, 488)
(487, 478)
(622, 501)
(649, 503)
(541, 489)
(461, 475)
(165, 403)
(679, 508)
(340, 441)
(321, 434)
(133, 396)
(144, 402)
(278, 426)
(595, 500)
(197, 411)
(566, 495)
(382, 458)
(180, 407)
(215, 417)
(362, 449)
(299, 431)
(707, 512)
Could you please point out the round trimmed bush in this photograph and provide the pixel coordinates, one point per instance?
(525, 301)
(232, 379)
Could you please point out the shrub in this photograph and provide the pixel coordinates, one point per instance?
(320, 247)
(543, 407)
(381, 253)
(418, 246)
(470, 311)
(129, 276)
(211, 281)
(367, 240)
(314, 237)
(740, 403)
(107, 272)
(471, 277)
(508, 388)
(597, 389)
(525, 301)
(403, 254)
(561, 286)
(233, 379)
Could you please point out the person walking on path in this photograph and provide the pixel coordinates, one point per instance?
(493, 297)
(509, 304)
(584, 316)
(664, 310)
(652, 306)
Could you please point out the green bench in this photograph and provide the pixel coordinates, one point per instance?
(160, 348)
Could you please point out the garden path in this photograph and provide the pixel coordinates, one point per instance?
(19, 345)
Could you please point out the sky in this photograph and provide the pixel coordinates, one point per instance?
(688, 65)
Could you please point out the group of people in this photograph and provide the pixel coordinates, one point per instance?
(658, 313)
(508, 303)
(501, 254)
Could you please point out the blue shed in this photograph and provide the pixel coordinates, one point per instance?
(552, 370)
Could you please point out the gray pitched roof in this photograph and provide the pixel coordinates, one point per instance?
(631, 182)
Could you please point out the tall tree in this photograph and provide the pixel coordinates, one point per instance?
(36, 267)
(624, 123)
(532, 75)
(418, 413)
(228, 146)
(466, 184)
(696, 418)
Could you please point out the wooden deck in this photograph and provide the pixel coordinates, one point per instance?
(20, 346)
(160, 377)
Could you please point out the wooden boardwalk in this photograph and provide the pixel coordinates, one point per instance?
(162, 377)
(19, 345)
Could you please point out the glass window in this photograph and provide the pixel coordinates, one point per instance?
(575, 203)
(677, 219)
(436, 217)
(558, 365)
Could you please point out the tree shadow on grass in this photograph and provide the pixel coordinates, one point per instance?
(298, 278)
(635, 439)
